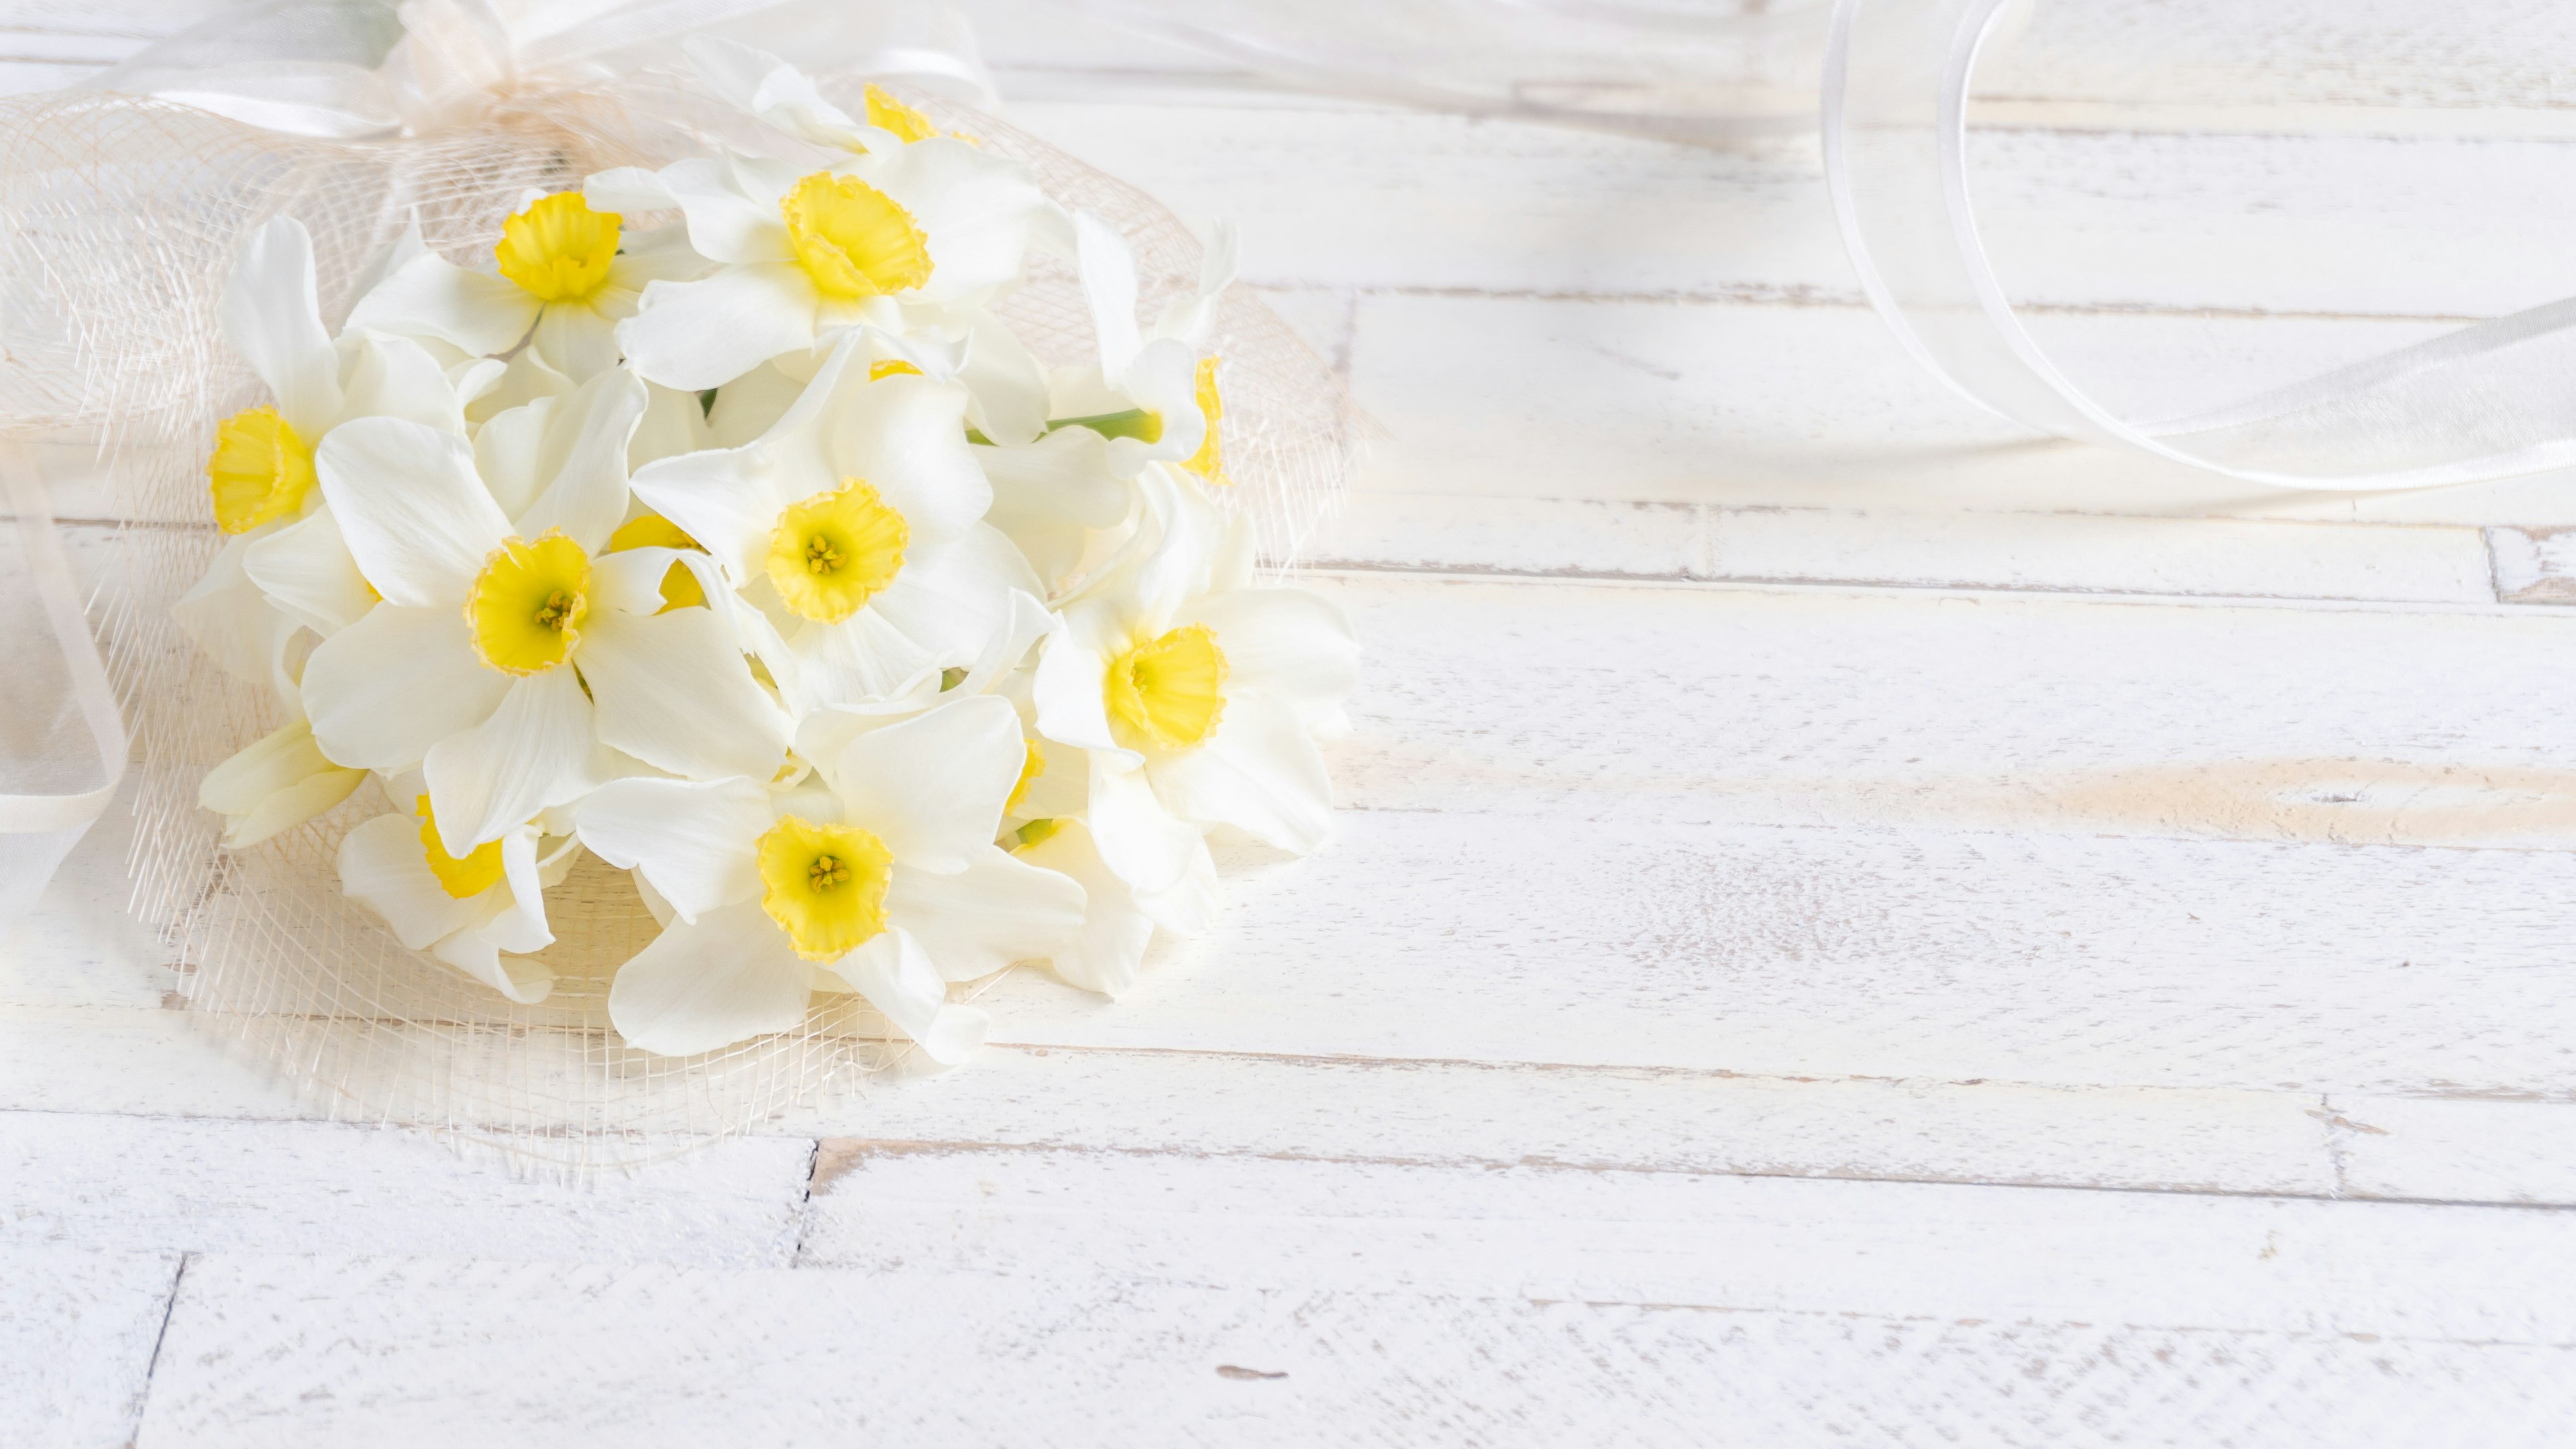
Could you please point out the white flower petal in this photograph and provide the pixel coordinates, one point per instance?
(750, 405)
(975, 208)
(952, 599)
(674, 423)
(583, 455)
(533, 751)
(416, 515)
(273, 318)
(1008, 382)
(395, 377)
(724, 224)
(1286, 644)
(1137, 834)
(1260, 773)
(859, 662)
(694, 841)
(383, 868)
(932, 787)
(1063, 476)
(674, 692)
(895, 975)
(661, 255)
(522, 979)
(228, 616)
(998, 910)
(708, 332)
(396, 682)
(1187, 907)
(1070, 691)
(275, 783)
(1108, 954)
(508, 452)
(906, 436)
(305, 569)
(628, 190)
(430, 296)
(727, 977)
(577, 338)
(522, 380)
(519, 925)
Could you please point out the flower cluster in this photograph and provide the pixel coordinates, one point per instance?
(754, 555)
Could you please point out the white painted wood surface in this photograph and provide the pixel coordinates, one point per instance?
(1850, 925)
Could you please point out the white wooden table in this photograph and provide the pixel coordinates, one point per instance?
(1850, 925)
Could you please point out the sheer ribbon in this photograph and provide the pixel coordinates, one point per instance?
(354, 69)
(2493, 400)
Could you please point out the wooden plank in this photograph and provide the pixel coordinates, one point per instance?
(1817, 407)
(2453, 1148)
(1884, 1249)
(78, 1329)
(2081, 219)
(1272, 1308)
(1917, 954)
(1597, 538)
(1484, 1115)
(2534, 565)
(198, 1185)
(1630, 703)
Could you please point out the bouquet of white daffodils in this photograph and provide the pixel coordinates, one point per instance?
(714, 523)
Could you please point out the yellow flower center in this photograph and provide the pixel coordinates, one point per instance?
(1030, 768)
(835, 551)
(524, 611)
(852, 239)
(888, 114)
(471, 874)
(1209, 461)
(1169, 691)
(260, 470)
(885, 367)
(825, 885)
(559, 249)
(651, 530)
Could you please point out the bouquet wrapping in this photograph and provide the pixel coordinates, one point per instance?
(645, 574)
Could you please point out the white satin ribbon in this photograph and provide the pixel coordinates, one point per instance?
(62, 744)
(2493, 400)
(356, 69)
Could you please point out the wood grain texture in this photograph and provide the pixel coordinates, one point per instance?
(1932, 958)
(78, 1331)
(289, 1353)
(197, 1185)
(2070, 553)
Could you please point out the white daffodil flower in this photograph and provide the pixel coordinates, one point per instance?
(278, 782)
(787, 99)
(509, 646)
(1153, 395)
(855, 525)
(567, 275)
(1197, 700)
(481, 913)
(282, 567)
(880, 876)
(899, 236)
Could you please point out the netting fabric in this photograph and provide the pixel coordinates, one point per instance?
(122, 218)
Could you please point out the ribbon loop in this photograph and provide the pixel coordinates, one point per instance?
(2494, 400)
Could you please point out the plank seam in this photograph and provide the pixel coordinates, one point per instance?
(852, 1148)
(152, 1365)
(1432, 573)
